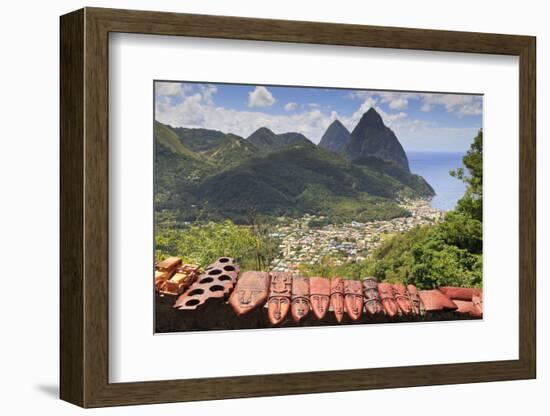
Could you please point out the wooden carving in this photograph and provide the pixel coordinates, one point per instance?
(388, 301)
(319, 295)
(468, 308)
(250, 292)
(371, 297)
(477, 300)
(183, 278)
(460, 293)
(300, 298)
(337, 297)
(216, 282)
(164, 270)
(280, 293)
(353, 298)
(418, 307)
(435, 301)
(402, 298)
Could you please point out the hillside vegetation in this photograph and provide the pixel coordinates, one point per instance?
(207, 175)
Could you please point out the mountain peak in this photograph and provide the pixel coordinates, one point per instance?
(336, 123)
(371, 137)
(336, 137)
(265, 140)
(263, 130)
(372, 119)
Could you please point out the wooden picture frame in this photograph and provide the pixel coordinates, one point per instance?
(84, 207)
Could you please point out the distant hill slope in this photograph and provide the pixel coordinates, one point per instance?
(167, 137)
(265, 140)
(199, 140)
(371, 137)
(177, 169)
(305, 179)
(215, 145)
(336, 137)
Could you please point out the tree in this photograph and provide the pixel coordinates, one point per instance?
(448, 253)
(472, 202)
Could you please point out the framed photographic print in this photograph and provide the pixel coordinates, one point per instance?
(240, 197)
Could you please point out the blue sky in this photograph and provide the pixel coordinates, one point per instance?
(422, 121)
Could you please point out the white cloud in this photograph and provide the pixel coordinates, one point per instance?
(197, 109)
(207, 91)
(394, 100)
(260, 97)
(461, 105)
(351, 122)
(399, 104)
(359, 94)
(391, 118)
(168, 88)
(426, 107)
(171, 89)
(314, 105)
(291, 106)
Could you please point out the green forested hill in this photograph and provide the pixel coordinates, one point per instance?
(205, 174)
(265, 140)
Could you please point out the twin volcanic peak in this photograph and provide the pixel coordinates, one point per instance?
(336, 138)
(210, 175)
(371, 137)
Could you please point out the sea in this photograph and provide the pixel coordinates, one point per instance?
(435, 167)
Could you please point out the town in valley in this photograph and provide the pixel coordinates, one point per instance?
(301, 244)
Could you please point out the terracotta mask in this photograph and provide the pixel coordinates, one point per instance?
(373, 304)
(250, 292)
(279, 297)
(402, 298)
(216, 282)
(300, 298)
(337, 297)
(460, 293)
(388, 301)
(465, 307)
(417, 307)
(477, 300)
(319, 295)
(435, 301)
(353, 298)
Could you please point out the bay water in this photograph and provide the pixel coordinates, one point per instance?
(435, 168)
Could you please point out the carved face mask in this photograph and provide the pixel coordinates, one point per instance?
(388, 301)
(353, 298)
(300, 298)
(415, 300)
(319, 295)
(337, 297)
(279, 297)
(250, 292)
(402, 298)
(373, 304)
